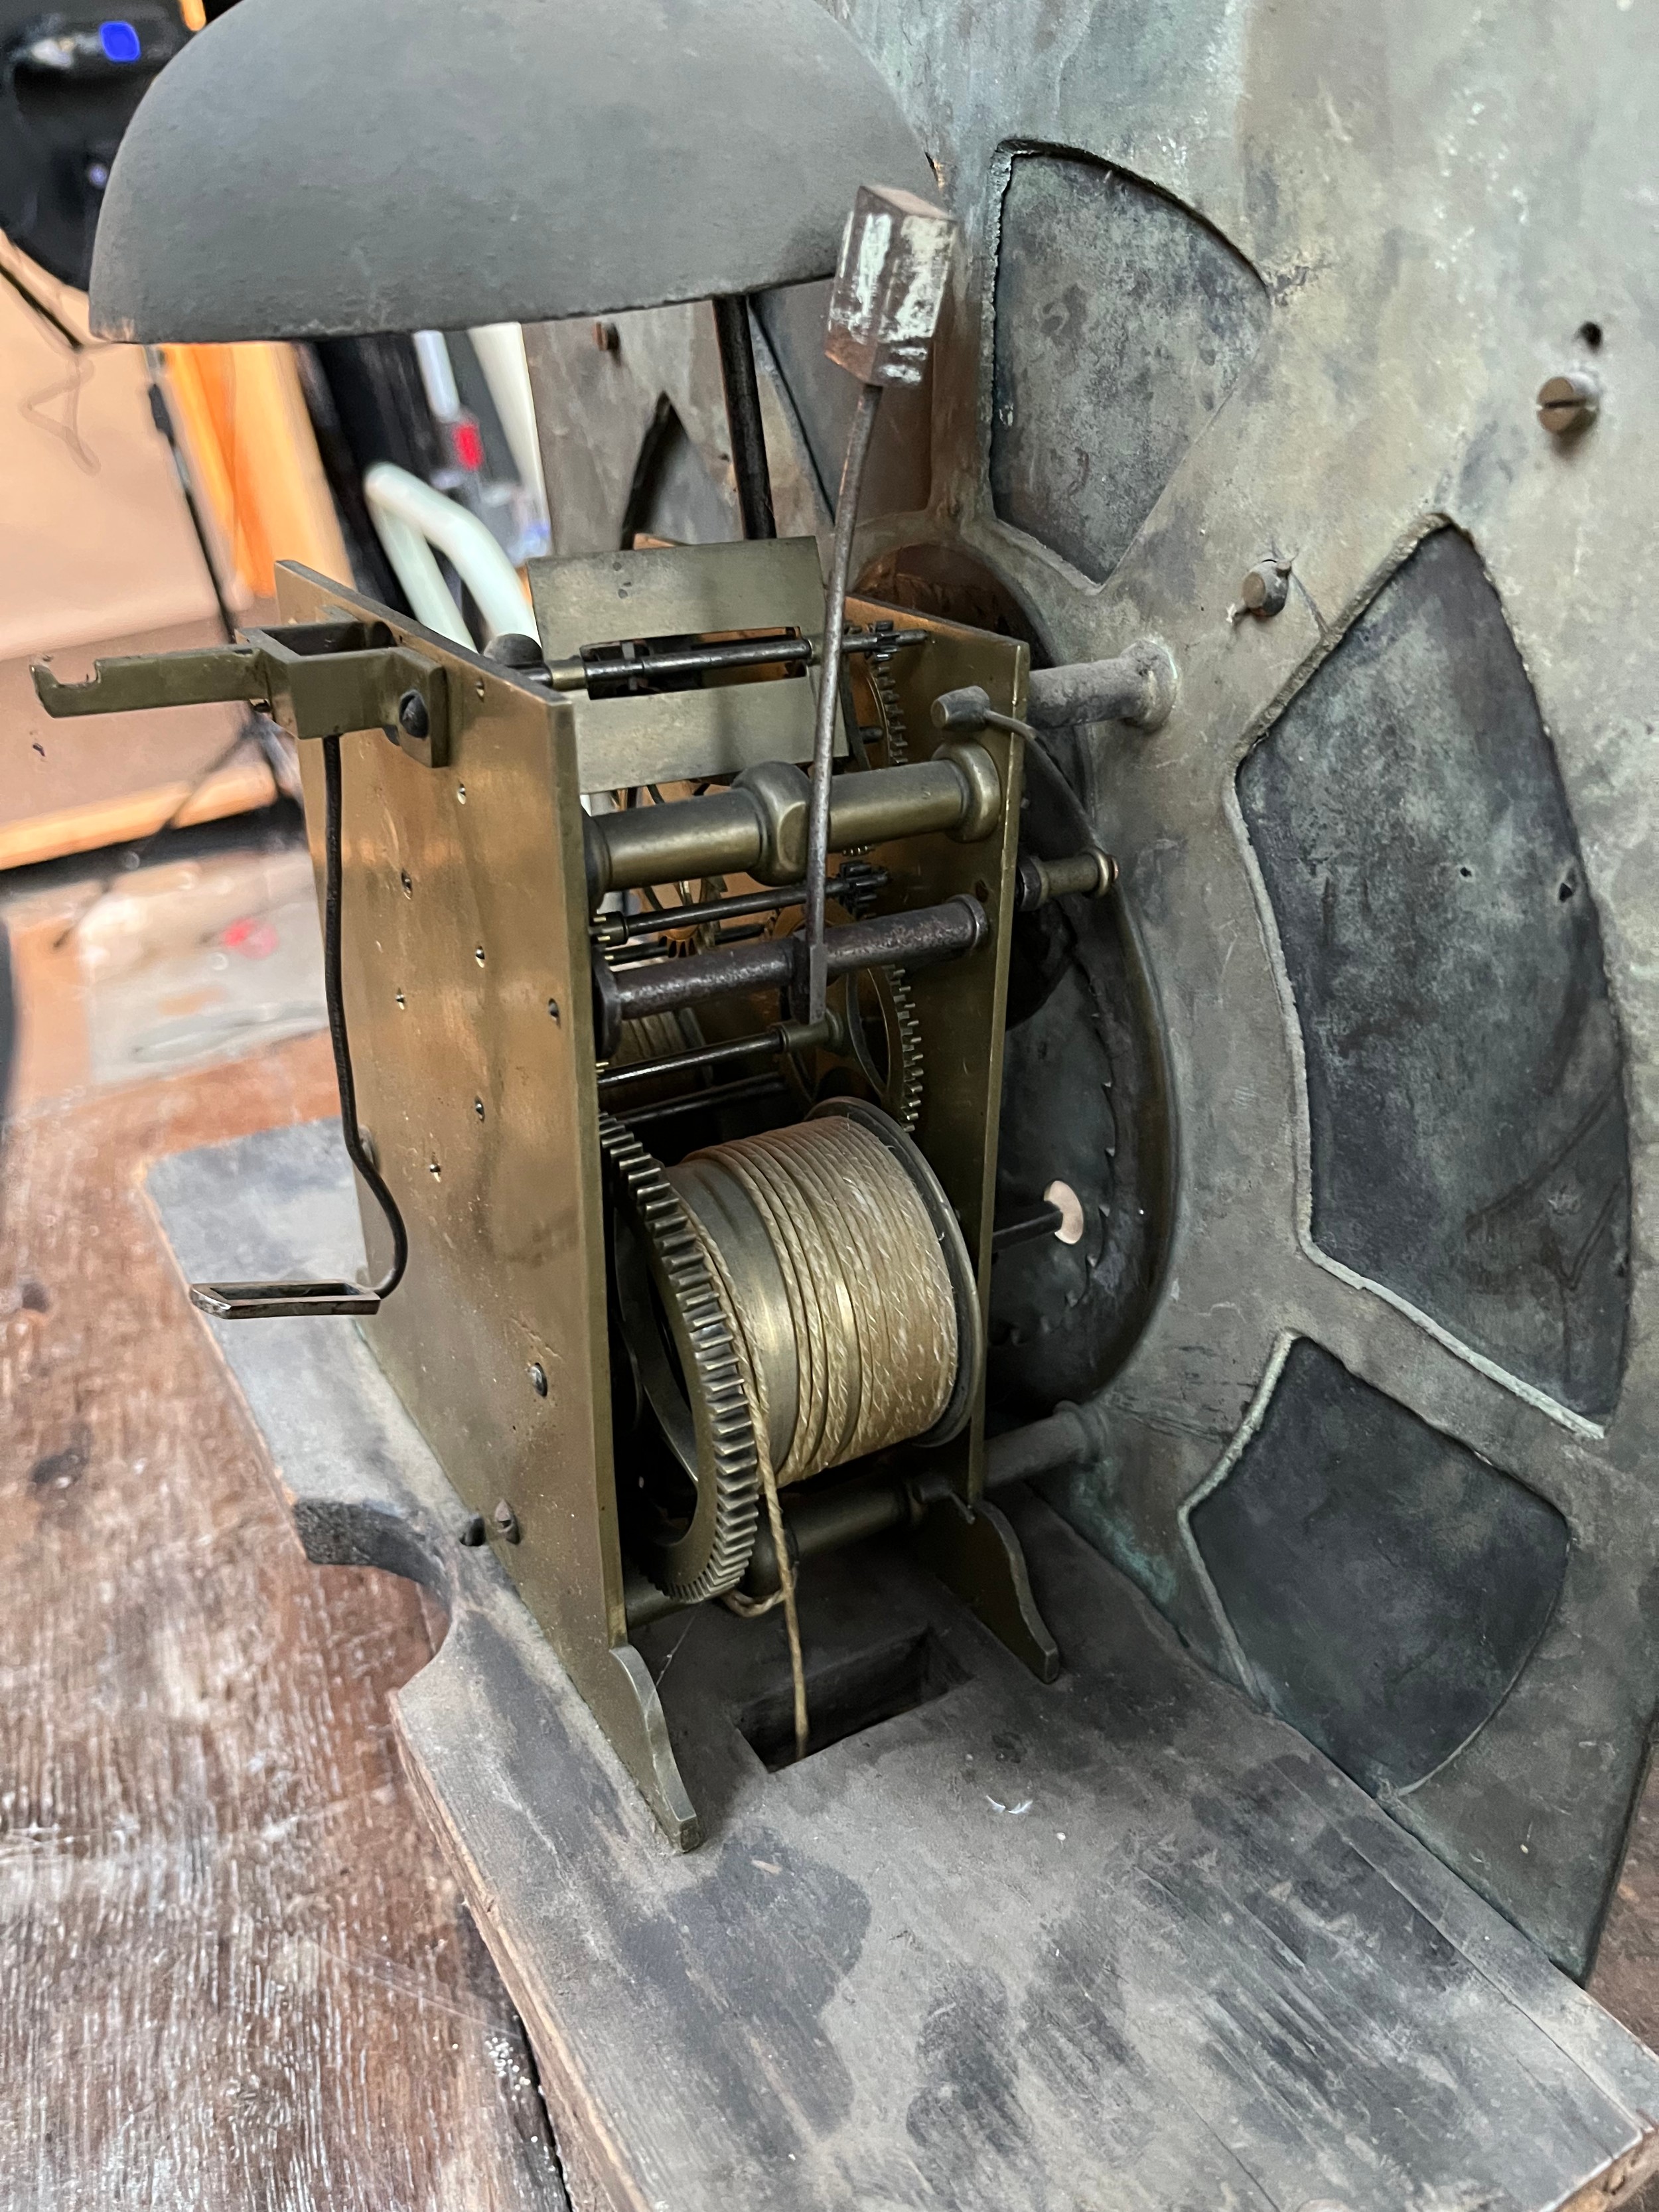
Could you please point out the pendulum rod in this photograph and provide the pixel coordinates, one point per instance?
(824, 736)
(743, 415)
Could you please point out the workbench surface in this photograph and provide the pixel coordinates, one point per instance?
(1125, 1944)
(235, 1969)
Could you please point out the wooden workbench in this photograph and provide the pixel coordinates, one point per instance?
(235, 1969)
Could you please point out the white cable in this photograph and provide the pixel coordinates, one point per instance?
(438, 374)
(410, 517)
(430, 599)
(500, 348)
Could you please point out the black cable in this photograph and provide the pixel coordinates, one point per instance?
(333, 992)
(49, 315)
(743, 415)
(258, 729)
(254, 728)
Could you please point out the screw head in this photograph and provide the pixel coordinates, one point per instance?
(412, 717)
(478, 1108)
(404, 878)
(553, 1008)
(538, 1378)
(472, 1531)
(1569, 404)
(506, 1521)
(1266, 589)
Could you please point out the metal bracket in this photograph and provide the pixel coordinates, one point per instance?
(976, 1553)
(274, 1300)
(319, 680)
(316, 679)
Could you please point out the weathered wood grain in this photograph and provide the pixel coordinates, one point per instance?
(235, 1970)
(1626, 1978)
(1127, 1945)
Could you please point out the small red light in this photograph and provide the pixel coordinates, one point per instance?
(254, 937)
(468, 445)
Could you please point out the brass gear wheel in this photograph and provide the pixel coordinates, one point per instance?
(704, 1408)
(897, 1087)
(890, 710)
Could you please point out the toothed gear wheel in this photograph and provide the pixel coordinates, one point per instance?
(888, 707)
(704, 1410)
(897, 1088)
(900, 1093)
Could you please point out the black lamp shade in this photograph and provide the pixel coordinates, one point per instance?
(311, 168)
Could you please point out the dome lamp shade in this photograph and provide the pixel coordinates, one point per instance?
(315, 169)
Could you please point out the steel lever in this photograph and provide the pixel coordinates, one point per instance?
(318, 680)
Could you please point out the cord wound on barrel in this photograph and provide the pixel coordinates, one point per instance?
(871, 1312)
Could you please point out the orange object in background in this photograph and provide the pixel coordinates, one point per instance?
(98, 555)
(241, 414)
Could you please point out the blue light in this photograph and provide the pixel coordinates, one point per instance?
(119, 42)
